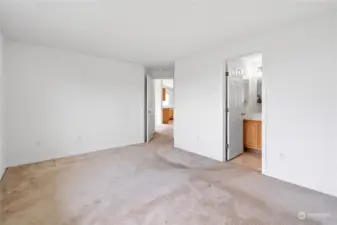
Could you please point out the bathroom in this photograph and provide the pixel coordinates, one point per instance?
(247, 70)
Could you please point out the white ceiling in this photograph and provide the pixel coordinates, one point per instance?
(150, 32)
(255, 59)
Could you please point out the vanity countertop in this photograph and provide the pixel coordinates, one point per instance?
(167, 107)
(253, 116)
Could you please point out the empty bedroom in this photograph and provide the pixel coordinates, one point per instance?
(161, 112)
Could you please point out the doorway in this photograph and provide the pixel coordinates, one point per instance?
(167, 101)
(164, 104)
(243, 111)
(159, 107)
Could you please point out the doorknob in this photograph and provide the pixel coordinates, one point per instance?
(243, 114)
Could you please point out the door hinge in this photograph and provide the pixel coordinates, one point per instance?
(227, 146)
(227, 74)
(227, 110)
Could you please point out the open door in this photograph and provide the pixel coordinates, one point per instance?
(235, 100)
(150, 104)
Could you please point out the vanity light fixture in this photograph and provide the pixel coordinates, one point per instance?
(237, 72)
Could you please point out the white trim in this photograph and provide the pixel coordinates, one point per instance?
(2, 172)
(264, 123)
(224, 115)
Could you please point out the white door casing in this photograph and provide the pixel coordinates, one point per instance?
(150, 104)
(235, 100)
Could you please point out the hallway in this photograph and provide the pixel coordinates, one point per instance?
(153, 184)
(165, 130)
(250, 160)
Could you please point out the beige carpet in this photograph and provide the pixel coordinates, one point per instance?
(154, 184)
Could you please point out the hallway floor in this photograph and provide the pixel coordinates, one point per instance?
(154, 184)
(249, 160)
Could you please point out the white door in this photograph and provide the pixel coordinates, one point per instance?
(235, 100)
(150, 108)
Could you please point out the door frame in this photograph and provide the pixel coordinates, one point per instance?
(161, 103)
(225, 106)
(146, 109)
(147, 138)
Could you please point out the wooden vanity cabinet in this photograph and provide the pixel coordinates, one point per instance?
(252, 134)
(167, 115)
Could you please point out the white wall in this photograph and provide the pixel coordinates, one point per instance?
(2, 126)
(299, 101)
(62, 103)
(169, 101)
(158, 101)
(335, 102)
(198, 105)
(168, 82)
(166, 73)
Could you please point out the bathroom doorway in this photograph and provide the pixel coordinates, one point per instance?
(243, 111)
